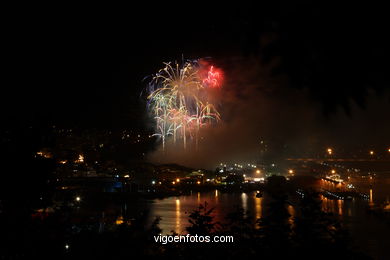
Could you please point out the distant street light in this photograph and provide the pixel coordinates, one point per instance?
(330, 151)
(371, 152)
(333, 171)
(290, 171)
(258, 172)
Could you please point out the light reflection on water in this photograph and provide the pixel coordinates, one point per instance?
(367, 231)
(258, 207)
(244, 198)
(174, 211)
(371, 197)
(291, 211)
(178, 215)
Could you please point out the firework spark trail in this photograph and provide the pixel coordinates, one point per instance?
(178, 99)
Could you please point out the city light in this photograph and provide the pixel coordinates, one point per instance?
(153, 182)
(330, 151)
(258, 171)
(258, 179)
(198, 182)
(119, 220)
(80, 159)
(371, 152)
(290, 171)
(177, 180)
(333, 171)
(78, 198)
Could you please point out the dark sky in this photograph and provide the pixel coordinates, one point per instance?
(84, 64)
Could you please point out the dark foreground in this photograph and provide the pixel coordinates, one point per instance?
(312, 234)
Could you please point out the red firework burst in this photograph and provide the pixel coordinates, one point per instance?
(214, 78)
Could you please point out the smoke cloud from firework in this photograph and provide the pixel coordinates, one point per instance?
(256, 106)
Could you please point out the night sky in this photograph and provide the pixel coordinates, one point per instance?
(299, 76)
(83, 65)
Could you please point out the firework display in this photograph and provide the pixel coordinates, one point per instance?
(180, 102)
